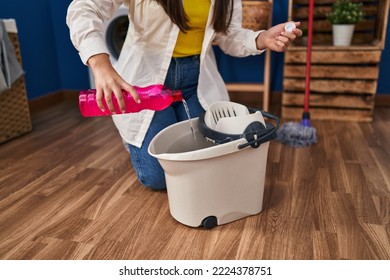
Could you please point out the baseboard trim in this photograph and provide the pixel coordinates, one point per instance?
(46, 101)
(382, 100)
(43, 102)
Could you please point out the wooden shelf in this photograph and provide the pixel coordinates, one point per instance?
(365, 47)
(256, 15)
(245, 87)
(343, 80)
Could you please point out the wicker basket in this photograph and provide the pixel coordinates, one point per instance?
(15, 117)
(256, 14)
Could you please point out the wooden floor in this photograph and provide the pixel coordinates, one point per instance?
(68, 191)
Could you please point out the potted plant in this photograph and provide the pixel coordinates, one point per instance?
(344, 15)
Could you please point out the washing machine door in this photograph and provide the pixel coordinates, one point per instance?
(116, 31)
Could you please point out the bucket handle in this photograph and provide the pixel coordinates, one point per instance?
(255, 133)
(265, 134)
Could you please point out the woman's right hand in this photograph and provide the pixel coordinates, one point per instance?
(108, 81)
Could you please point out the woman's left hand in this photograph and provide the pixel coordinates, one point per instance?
(276, 38)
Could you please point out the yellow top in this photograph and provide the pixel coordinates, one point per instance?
(190, 43)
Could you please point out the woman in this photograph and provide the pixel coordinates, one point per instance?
(169, 42)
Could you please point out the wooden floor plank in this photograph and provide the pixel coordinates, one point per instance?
(68, 191)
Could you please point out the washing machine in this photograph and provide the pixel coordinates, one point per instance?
(115, 31)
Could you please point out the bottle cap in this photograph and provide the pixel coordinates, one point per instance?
(177, 95)
(289, 26)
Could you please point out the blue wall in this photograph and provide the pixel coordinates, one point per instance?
(51, 63)
(49, 60)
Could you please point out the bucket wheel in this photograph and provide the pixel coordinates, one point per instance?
(210, 222)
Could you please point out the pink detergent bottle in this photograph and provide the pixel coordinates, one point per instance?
(155, 97)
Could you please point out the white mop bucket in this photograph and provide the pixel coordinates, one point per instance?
(211, 184)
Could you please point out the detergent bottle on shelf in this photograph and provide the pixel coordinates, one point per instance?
(154, 97)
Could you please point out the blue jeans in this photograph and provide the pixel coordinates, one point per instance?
(183, 74)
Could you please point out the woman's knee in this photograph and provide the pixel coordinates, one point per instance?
(148, 170)
(154, 181)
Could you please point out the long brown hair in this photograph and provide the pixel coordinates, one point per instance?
(222, 16)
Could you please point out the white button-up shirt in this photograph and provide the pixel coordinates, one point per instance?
(148, 48)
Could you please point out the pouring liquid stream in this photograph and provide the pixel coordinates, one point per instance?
(190, 121)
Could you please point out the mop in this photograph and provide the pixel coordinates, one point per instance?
(302, 134)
